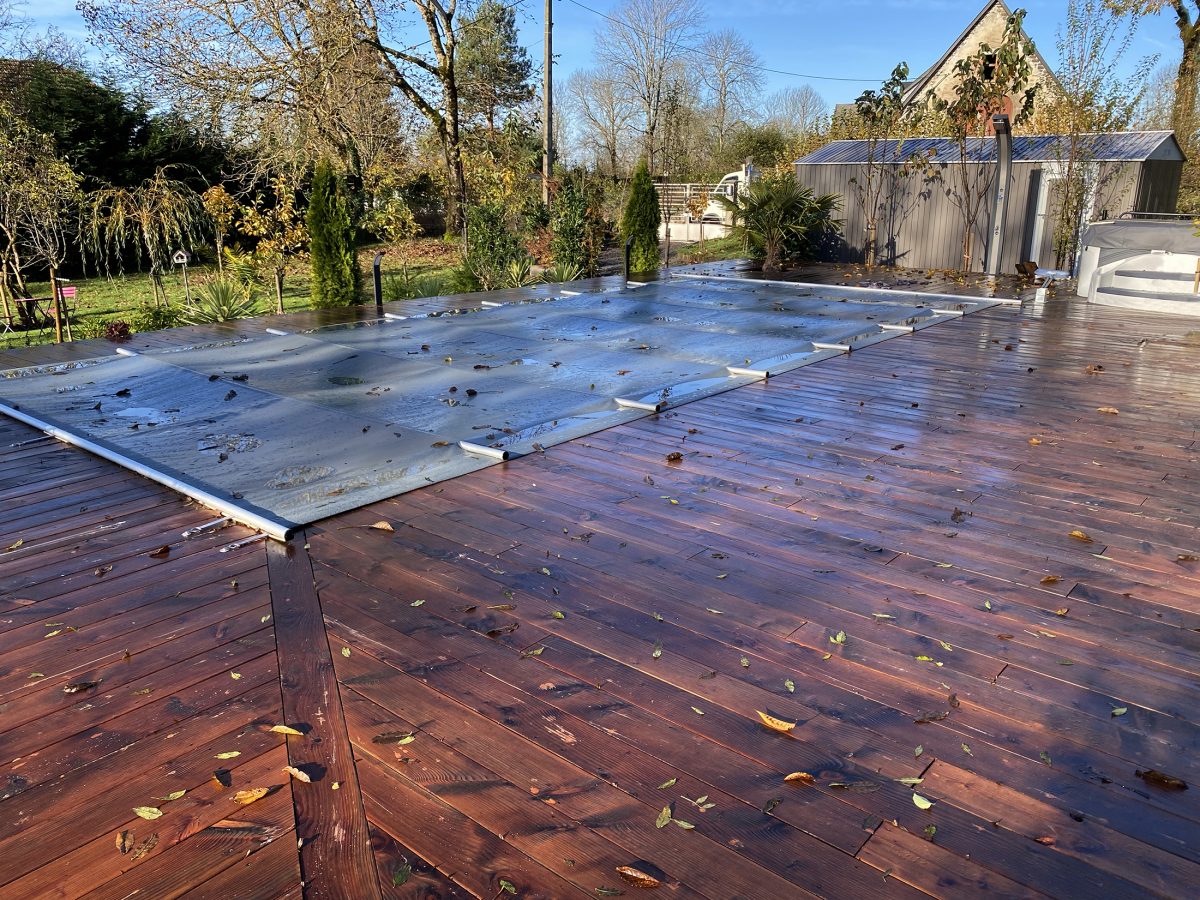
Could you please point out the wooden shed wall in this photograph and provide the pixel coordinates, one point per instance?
(922, 227)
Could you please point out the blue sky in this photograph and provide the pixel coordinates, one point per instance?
(860, 39)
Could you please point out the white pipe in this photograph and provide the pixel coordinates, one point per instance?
(275, 528)
(121, 351)
(394, 317)
(489, 304)
(484, 450)
(752, 373)
(947, 312)
(820, 345)
(278, 332)
(639, 404)
(903, 329)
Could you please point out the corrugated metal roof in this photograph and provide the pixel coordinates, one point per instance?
(1129, 146)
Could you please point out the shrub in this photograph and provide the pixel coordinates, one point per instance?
(578, 232)
(155, 318)
(336, 279)
(641, 220)
(491, 246)
(407, 286)
(117, 331)
(221, 300)
(534, 214)
(778, 219)
(518, 272)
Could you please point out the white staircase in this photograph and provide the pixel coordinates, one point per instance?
(1156, 281)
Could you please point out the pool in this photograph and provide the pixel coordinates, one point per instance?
(281, 430)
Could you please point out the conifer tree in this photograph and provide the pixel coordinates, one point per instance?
(493, 67)
(641, 220)
(336, 278)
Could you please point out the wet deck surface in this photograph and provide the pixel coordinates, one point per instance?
(937, 557)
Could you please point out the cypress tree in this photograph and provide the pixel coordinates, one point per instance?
(336, 279)
(641, 220)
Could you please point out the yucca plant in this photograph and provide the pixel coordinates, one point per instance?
(777, 218)
(518, 272)
(407, 286)
(560, 272)
(221, 300)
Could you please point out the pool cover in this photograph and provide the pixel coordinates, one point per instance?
(282, 430)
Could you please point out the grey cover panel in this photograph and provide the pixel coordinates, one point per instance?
(1143, 235)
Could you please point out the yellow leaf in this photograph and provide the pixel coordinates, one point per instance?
(345, 651)
(800, 777)
(637, 877)
(14, 546)
(775, 724)
(174, 795)
(147, 812)
(920, 802)
(235, 675)
(1080, 536)
(1110, 410)
(1034, 441)
(229, 754)
(251, 795)
(381, 525)
(284, 729)
(297, 774)
(1051, 579)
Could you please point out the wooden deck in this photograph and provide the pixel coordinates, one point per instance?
(937, 556)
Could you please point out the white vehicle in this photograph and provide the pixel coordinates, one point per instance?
(716, 213)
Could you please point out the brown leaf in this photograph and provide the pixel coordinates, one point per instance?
(1036, 442)
(1051, 579)
(285, 729)
(145, 846)
(637, 877)
(675, 457)
(161, 553)
(381, 525)
(1081, 536)
(298, 774)
(775, 724)
(1162, 779)
(249, 796)
(1108, 410)
(1045, 840)
(800, 778)
(125, 841)
(503, 629)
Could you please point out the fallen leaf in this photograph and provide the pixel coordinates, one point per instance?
(675, 457)
(1034, 441)
(79, 686)
(911, 782)
(401, 875)
(920, 748)
(230, 754)
(669, 783)
(657, 652)
(967, 749)
(417, 603)
(298, 774)
(503, 607)
(236, 676)
(775, 724)
(855, 787)
(394, 737)
(920, 802)
(1162, 779)
(1045, 757)
(946, 646)
(249, 796)
(1045, 840)
(125, 841)
(1119, 711)
(15, 545)
(663, 818)
(161, 553)
(697, 710)
(529, 653)
(147, 812)
(745, 662)
(637, 877)
(506, 886)
(882, 616)
(174, 795)
(800, 778)
(144, 847)
(381, 525)
(285, 729)
(499, 632)
(1108, 410)
(345, 651)
(1081, 536)
(686, 826)
(1051, 579)
(545, 571)
(790, 685)
(557, 614)
(839, 638)
(770, 805)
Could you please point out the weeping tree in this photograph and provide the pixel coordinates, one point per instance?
(986, 82)
(149, 221)
(222, 210)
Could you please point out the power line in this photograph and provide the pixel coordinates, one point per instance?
(700, 52)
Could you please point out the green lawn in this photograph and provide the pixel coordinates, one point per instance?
(126, 297)
(729, 247)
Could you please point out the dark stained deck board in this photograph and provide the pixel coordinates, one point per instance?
(796, 572)
(335, 853)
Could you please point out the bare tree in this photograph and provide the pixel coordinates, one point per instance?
(643, 43)
(605, 113)
(1154, 112)
(275, 65)
(729, 69)
(797, 111)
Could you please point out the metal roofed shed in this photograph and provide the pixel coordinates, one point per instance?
(920, 227)
(281, 430)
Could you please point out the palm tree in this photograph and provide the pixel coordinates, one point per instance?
(777, 218)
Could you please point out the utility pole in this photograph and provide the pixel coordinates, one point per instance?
(548, 104)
